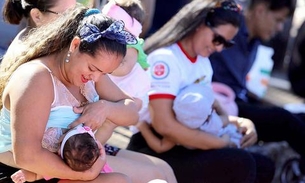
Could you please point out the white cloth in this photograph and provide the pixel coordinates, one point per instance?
(193, 108)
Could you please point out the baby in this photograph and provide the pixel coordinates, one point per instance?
(131, 75)
(77, 147)
(193, 107)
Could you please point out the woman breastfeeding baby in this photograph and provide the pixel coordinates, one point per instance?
(78, 148)
(67, 68)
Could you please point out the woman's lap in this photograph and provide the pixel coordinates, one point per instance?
(7, 171)
(220, 165)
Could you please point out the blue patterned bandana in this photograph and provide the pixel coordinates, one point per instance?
(91, 33)
(229, 5)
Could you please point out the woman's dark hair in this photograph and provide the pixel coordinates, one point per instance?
(102, 22)
(80, 152)
(190, 17)
(55, 38)
(15, 10)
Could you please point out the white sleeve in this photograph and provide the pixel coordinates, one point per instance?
(164, 72)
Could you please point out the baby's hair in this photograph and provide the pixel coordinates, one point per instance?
(81, 152)
(133, 8)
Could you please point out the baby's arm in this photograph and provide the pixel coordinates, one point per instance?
(221, 112)
(158, 145)
(105, 131)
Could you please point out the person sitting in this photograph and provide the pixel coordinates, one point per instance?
(193, 108)
(178, 57)
(77, 147)
(132, 71)
(34, 12)
(68, 69)
(260, 22)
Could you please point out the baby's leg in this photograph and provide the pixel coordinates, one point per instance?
(104, 178)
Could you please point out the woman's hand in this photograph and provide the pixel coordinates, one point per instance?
(93, 115)
(95, 170)
(247, 128)
(227, 140)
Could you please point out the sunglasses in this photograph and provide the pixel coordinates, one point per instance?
(219, 39)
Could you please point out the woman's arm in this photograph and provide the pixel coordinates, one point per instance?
(155, 143)
(165, 123)
(247, 128)
(8, 159)
(29, 104)
(115, 105)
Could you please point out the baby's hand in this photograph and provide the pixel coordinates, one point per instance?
(142, 125)
(228, 141)
(22, 176)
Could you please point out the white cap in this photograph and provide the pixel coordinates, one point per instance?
(193, 105)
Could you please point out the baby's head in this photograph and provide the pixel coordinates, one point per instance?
(193, 104)
(79, 149)
(133, 15)
(130, 11)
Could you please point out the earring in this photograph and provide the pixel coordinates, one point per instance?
(68, 57)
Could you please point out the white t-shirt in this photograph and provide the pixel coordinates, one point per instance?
(171, 70)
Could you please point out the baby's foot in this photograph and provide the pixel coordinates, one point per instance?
(18, 177)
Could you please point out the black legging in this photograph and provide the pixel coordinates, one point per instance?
(227, 165)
